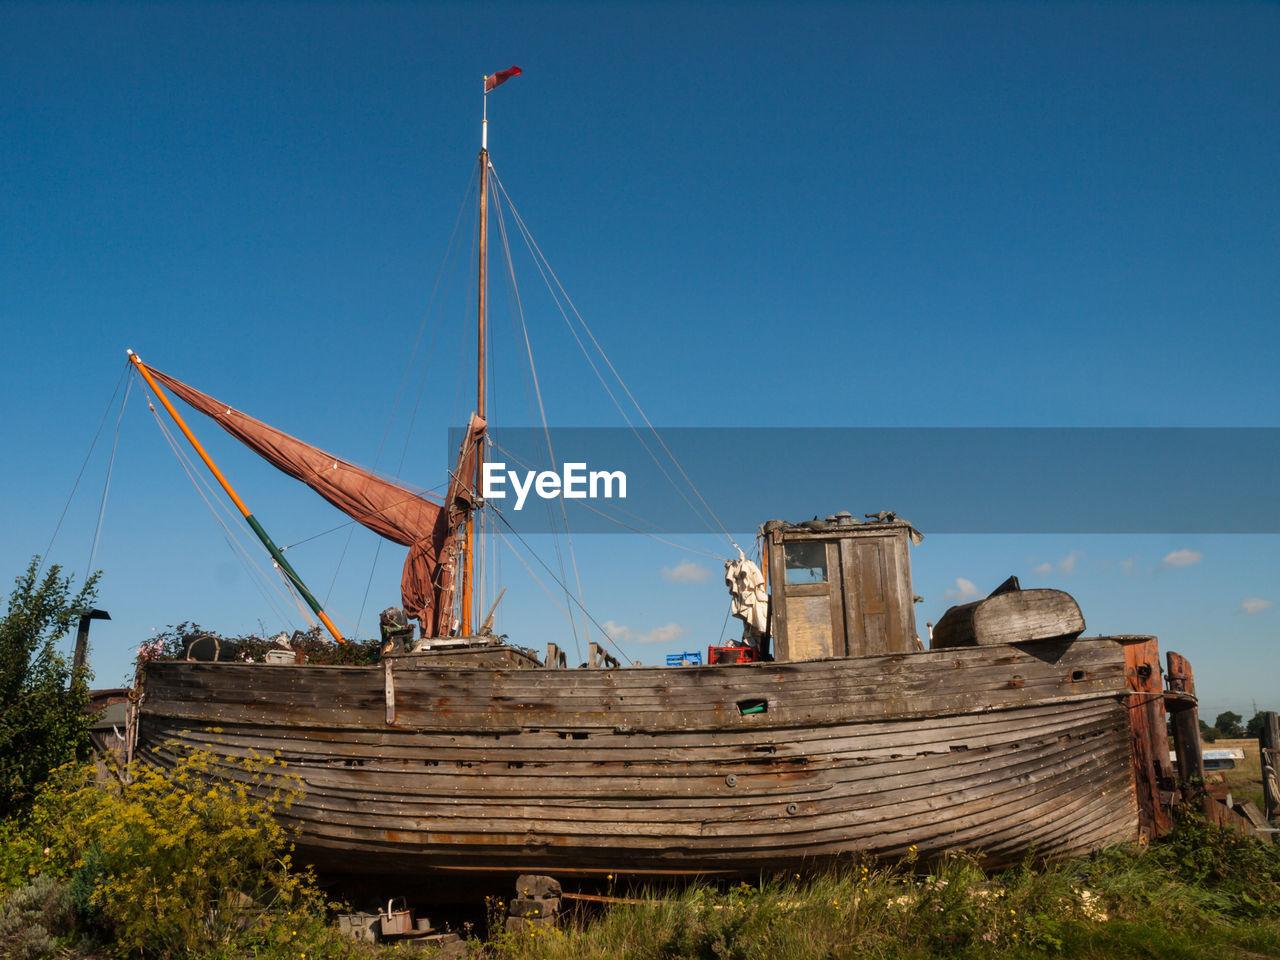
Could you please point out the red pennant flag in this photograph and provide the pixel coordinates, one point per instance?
(502, 76)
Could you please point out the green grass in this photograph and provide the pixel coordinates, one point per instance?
(172, 866)
(1201, 894)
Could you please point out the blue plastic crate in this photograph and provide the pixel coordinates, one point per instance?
(693, 657)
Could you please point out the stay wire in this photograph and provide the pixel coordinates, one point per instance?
(612, 519)
(542, 413)
(449, 263)
(44, 559)
(106, 484)
(214, 502)
(544, 269)
(603, 632)
(541, 260)
(347, 523)
(536, 579)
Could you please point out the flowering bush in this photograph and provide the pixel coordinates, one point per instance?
(173, 863)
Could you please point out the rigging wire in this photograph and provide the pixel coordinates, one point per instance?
(539, 261)
(211, 498)
(532, 405)
(449, 262)
(596, 510)
(603, 632)
(425, 493)
(542, 413)
(44, 559)
(542, 263)
(536, 579)
(106, 485)
(725, 625)
(214, 502)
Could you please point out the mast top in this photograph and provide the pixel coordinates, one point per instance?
(491, 82)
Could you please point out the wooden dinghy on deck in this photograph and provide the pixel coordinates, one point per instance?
(862, 745)
(1010, 615)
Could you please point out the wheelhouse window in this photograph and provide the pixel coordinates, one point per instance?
(806, 562)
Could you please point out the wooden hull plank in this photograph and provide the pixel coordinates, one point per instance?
(656, 771)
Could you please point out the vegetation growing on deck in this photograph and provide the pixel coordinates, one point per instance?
(172, 642)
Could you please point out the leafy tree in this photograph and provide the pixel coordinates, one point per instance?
(1228, 724)
(1209, 734)
(1253, 729)
(43, 723)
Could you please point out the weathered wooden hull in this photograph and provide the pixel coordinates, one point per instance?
(413, 768)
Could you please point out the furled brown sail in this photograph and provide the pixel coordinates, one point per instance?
(428, 529)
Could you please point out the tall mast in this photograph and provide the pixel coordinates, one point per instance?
(482, 271)
(481, 322)
(469, 547)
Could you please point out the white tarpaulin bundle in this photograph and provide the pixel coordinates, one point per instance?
(748, 599)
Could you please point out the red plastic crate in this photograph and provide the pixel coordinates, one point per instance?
(732, 655)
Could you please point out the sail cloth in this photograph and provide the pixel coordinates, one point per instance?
(433, 561)
(427, 528)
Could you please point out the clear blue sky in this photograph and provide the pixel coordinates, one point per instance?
(773, 214)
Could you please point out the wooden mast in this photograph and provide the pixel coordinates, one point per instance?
(469, 547)
(468, 580)
(468, 576)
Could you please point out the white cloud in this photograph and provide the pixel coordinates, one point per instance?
(1255, 605)
(1126, 566)
(687, 571)
(1182, 558)
(1067, 565)
(964, 591)
(624, 634)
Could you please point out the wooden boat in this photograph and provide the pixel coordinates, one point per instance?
(427, 762)
(843, 738)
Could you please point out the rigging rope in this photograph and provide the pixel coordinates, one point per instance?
(542, 413)
(536, 579)
(57, 528)
(596, 510)
(603, 632)
(213, 501)
(450, 262)
(542, 263)
(353, 522)
(106, 485)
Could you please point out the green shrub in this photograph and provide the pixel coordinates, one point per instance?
(43, 723)
(1241, 872)
(175, 862)
(185, 862)
(32, 915)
